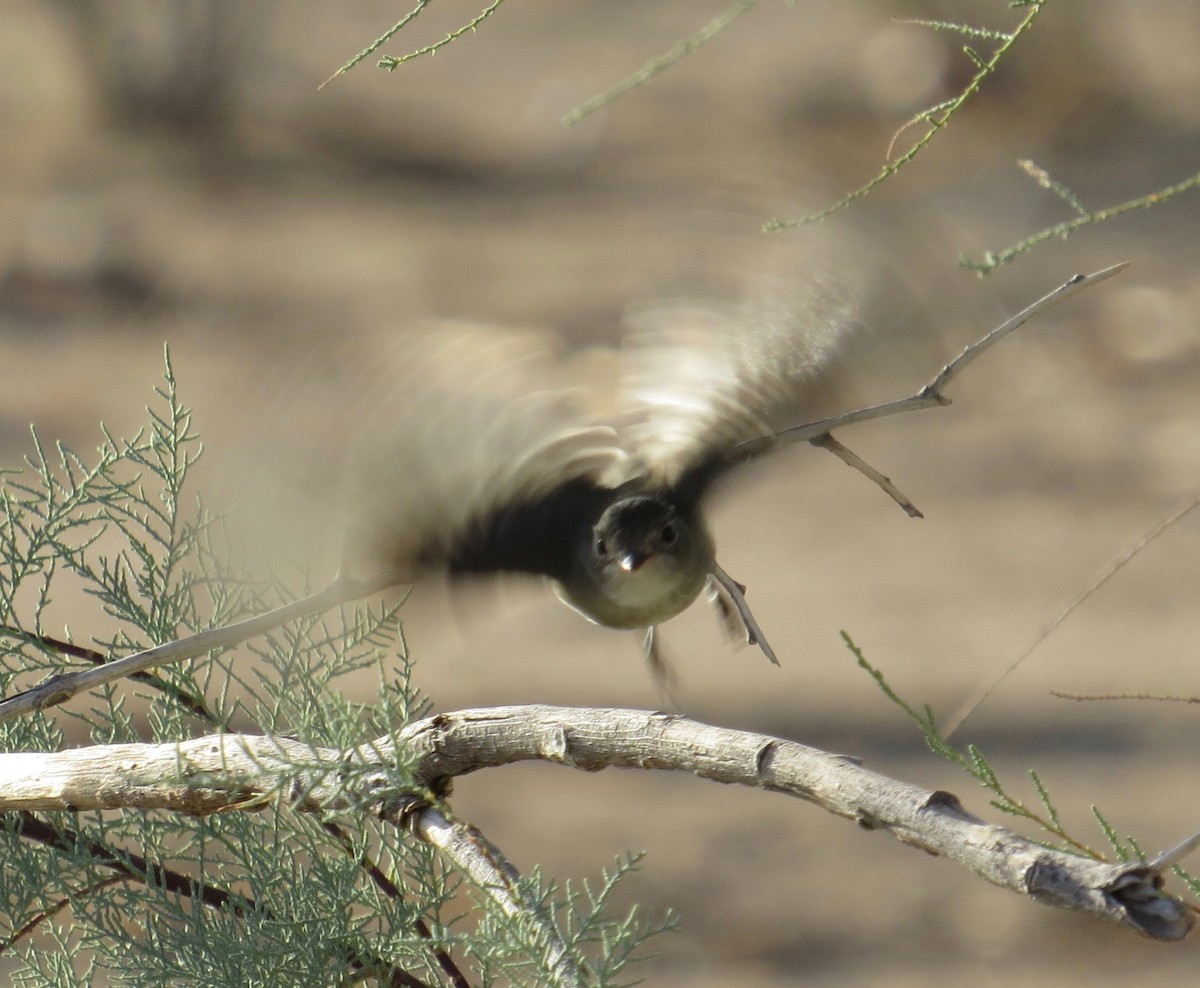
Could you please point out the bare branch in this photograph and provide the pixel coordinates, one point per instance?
(852, 459)
(931, 395)
(481, 861)
(232, 771)
(192, 704)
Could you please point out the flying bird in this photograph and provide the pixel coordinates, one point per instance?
(479, 456)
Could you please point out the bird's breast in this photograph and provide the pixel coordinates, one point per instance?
(652, 593)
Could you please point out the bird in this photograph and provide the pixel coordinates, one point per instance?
(476, 457)
(473, 453)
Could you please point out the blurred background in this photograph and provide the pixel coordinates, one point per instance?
(171, 173)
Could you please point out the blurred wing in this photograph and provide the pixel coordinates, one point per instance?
(699, 381)
(439, 449)
(471, 450)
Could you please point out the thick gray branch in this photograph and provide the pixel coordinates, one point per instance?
(220, 772)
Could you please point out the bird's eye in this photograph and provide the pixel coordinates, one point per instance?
(668, 534)
(601, 547)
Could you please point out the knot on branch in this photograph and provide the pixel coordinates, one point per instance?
(1149, 909)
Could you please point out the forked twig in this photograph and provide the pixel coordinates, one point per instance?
(931, 395)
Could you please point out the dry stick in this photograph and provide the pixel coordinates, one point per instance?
(931, 395)
(231, 772)
(190, 702)
(1101, 578)
(852, 459)
(482, 862)
(61, 688)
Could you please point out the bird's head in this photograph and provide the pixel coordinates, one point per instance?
(639, 531)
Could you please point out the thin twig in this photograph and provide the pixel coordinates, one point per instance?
(59, 689)
(1141, 697)
(193, 704)
(393, 62)
(1117, 564)
(659, 64)
(378, 43)
(737, 595)
(57, 907)
(931, 395)
(850, 458)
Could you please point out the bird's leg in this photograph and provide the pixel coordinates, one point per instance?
(664, 676)
(727, 613)
(737, 595)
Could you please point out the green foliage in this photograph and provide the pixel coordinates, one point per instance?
(1083, 216)
(392, 62)
(513, 952)
(972, 761)
(659, 64)
(278, 896)
(931, 121)
(934, 118)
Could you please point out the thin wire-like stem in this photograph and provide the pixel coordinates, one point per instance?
(1114, 566)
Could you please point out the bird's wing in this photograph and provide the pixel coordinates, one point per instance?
(699, 382)
(439, 448)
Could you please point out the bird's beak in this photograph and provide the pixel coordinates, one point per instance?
(633, 560)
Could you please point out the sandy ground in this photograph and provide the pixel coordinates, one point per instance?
(448, 189)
